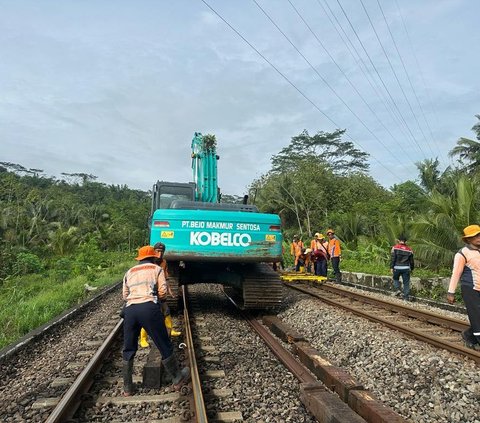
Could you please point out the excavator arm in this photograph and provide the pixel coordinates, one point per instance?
(204, 167)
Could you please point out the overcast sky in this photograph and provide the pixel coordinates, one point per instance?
(118, 88)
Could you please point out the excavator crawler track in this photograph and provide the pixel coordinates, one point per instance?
(261, 288)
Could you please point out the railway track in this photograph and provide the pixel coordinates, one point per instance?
(234, 376)
(438, 330)
(96, 394)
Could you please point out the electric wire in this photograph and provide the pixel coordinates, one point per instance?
(407, 75)
(322, 78)
(361, 65)
(396, 77)
(381, 79)
(349, 81)
(293, 85)
(425, 86)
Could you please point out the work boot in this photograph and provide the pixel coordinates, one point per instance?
(179, 376)
(470, 339)
(127, 373)
(144, 339)
(169, 325)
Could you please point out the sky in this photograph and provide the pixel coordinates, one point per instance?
(117, 89)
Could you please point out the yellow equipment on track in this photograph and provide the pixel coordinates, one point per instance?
(302, 277)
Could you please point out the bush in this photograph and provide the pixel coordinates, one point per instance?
(63, 269)
(27, 263)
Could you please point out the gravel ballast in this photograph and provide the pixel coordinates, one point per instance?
(420, 382)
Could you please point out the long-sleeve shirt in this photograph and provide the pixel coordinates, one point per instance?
(144, 282)
(466, 269)
(402, 257)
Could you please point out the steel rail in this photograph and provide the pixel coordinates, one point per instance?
(199, 403)
(420, 335)
(297, 369)
(444, 321)
(71, 400)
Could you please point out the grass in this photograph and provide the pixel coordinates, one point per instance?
(30, 301)
(351, 265)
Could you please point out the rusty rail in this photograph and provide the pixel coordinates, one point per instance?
(424, 315)
(199, 403)
(297, 369)
(70, 401)
(420, 335)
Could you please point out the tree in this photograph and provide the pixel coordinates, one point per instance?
(408, 198)
(437, 231)
(468, 150)
(429, 174)
(324, 147)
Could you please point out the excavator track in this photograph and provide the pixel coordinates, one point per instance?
(261, 288)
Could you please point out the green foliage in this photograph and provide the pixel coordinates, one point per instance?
(469, 151)
(374, 253)
(209, 142)
(26, 263)
(323, 147)
(63, 269)
(408, 199)
(53, 219)
(27, 302)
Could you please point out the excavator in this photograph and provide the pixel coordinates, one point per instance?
(208, 241)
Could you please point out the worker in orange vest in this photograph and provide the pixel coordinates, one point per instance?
(296, 251)
(144, 286)
(335, 252)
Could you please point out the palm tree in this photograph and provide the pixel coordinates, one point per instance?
(437, 232)
(469, 150)
(429, 174)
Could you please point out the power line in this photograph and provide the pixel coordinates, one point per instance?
(407, 75)
(430, 102)
(381, 79)
(396, 76)
(361, 64)
(349, 81)
(321, 77)
(293, 85)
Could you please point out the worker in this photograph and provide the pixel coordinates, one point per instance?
(320, 254)
(144, 286)
(402, 264)
(159, 248)
(306, 258)
(296, 251)
(335, 252)
(466, 269)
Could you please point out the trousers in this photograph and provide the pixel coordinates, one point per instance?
(149, 316)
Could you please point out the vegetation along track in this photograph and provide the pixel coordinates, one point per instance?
(436, 329)
(45, 366)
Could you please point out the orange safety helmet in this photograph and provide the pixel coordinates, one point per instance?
(145, 252)
(330, 231)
